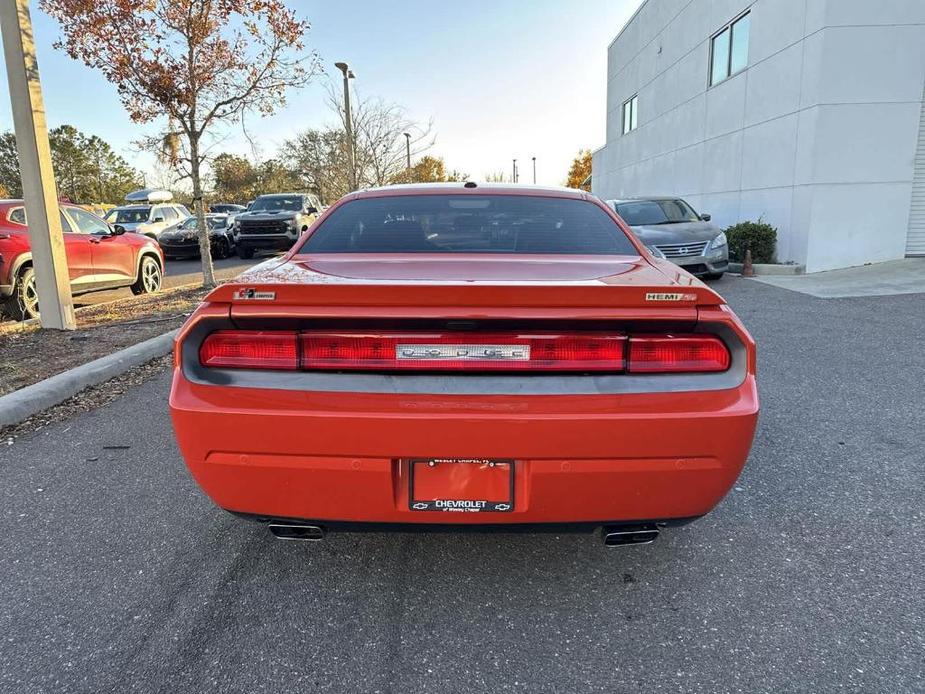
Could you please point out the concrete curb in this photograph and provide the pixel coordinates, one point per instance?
(769, 269)
(25, 402)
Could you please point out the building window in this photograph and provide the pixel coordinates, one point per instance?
(629, 113)
(729, 50)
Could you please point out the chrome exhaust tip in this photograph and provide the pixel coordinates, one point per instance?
(619, 535)
(295, 531)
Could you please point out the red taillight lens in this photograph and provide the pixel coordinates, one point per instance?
(251, 349)
(677, 354)
(342, 351)
(462, 352)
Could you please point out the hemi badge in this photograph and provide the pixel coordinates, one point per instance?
(253, 295)
(661, 296)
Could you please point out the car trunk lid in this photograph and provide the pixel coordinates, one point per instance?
(471, 286)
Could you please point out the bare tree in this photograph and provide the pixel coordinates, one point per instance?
(380, 144)
(319, 156)
(198, 63)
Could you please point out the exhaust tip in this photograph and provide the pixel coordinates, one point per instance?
(295, 531)
(619, 535)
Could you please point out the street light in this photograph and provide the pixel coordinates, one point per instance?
(408, 153)
(348, 120)
(534, 170)
(514, 173)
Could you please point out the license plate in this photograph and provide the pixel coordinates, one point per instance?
(462, 485)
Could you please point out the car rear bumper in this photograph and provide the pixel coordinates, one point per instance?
(181, 251)
(344, 456)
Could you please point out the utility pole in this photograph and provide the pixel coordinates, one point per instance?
(348, 120)
(534, 170)
(408, 153)
(38, 179)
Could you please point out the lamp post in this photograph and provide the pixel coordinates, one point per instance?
(348, 120)
(408, 153)
(534, 170)
(514, 172)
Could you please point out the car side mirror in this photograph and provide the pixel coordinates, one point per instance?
(705, 217)
(117, 229)
(157, 219)
(311, 210)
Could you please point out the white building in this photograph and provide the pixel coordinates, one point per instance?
(806, 113)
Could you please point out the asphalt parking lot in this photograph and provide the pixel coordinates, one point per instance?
(117, 575)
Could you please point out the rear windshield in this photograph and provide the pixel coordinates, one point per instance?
(651, 212)
(469, 224)
(129, 215)
(277, 203)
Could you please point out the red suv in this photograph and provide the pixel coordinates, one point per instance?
(99, 256)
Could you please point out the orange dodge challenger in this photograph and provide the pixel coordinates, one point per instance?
(460, 356)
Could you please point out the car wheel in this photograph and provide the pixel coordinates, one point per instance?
(245, 252)
(713, 275)
(221, 249)
(150, 277)
(24, 302)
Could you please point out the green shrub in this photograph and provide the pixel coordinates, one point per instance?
(759, 236)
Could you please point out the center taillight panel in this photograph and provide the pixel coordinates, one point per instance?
(462, 351)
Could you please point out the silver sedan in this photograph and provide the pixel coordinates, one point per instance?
(671, 229)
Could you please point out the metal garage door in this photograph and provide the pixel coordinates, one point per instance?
(915, 240)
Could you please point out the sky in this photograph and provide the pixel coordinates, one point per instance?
(500, 79)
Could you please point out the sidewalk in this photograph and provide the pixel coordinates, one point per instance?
(881, 279)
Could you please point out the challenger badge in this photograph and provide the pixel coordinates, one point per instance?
(253, 295)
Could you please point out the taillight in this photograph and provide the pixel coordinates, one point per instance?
(677, 354)
(251, 349)
(462, 352)
(393, 351)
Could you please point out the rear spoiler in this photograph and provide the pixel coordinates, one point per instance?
(446, 295)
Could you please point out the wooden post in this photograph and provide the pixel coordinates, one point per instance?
(38, 180)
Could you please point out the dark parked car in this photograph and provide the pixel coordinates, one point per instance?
(184, 241)
(274, 222)
(99, 256)
(673, 230)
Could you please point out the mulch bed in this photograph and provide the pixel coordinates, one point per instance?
(29, 354)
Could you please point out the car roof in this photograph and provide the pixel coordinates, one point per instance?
(473, 188)
(646, 198)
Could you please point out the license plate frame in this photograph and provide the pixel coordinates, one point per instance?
(462, 505)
